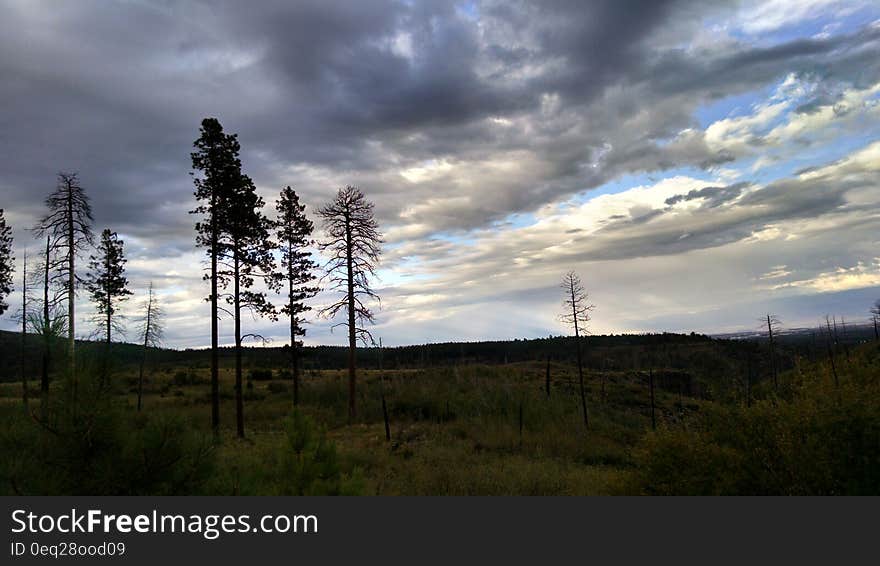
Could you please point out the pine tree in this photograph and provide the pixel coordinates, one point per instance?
(294, 232)
(107, 284)
(216, 159)
(69, 226)
(244, 255)
(353, 242)
(6, 259)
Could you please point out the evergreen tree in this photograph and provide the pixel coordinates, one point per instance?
(216, 160)
(294, 232)
(354, 244)
(107, 283)
(6, 259)
(245, 255)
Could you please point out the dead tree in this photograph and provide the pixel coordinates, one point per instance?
(49, 322)
(150, 334)
(577, 315)
(382, 394)
(830, 343)
(294, 233)
(353, 244)
(773, 325)
(845, 340)
(69, 225)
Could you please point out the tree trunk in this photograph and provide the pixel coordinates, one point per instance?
(294, 353)
(580, 362)
(385, 417)
(215, 362)
(24, 391)
(147, 327)
(239, 402)
(47, 346)
(547, 378)
(71, 296)
(352, 334)
(653, 415)
(772, 356)
(749, 379)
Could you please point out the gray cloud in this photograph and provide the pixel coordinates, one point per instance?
(452, 115)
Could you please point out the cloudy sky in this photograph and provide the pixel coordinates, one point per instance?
(698, 163)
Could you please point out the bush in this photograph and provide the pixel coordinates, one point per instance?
(102, 451)
(822, 442)
(276, 387)
(260, 374)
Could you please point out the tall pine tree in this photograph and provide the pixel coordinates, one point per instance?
(107, 284)
(294, 231)
(216, 161)
(245, 256)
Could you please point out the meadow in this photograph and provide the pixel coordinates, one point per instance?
(465, 429)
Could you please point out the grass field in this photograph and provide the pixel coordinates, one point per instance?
(463, 430)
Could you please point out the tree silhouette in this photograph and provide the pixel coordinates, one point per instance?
(6, 259)
(245, 255)
(353, 242)
(69, 225)
(216, 158)
(577, 315)
(773, 326)
(150, 331)
(106, 282)
(875, 318)
(24, 322)
(294, 232)
(50, 322)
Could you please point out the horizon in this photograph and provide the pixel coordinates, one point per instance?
(698, 166)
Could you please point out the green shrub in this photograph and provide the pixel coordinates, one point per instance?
(260, 374)
(825, 441)
(277, 387)
(100, 450)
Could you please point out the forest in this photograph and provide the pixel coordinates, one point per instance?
(785, 411)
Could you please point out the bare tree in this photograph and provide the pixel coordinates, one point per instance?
(577, 315)
(150, 331)
(773, 326)
(50, 322)
(875, 319)
(294, 232)
(353, 243)
(107, 284)
(69, 225)
(831, 343)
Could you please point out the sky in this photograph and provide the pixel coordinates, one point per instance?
(699, 164)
